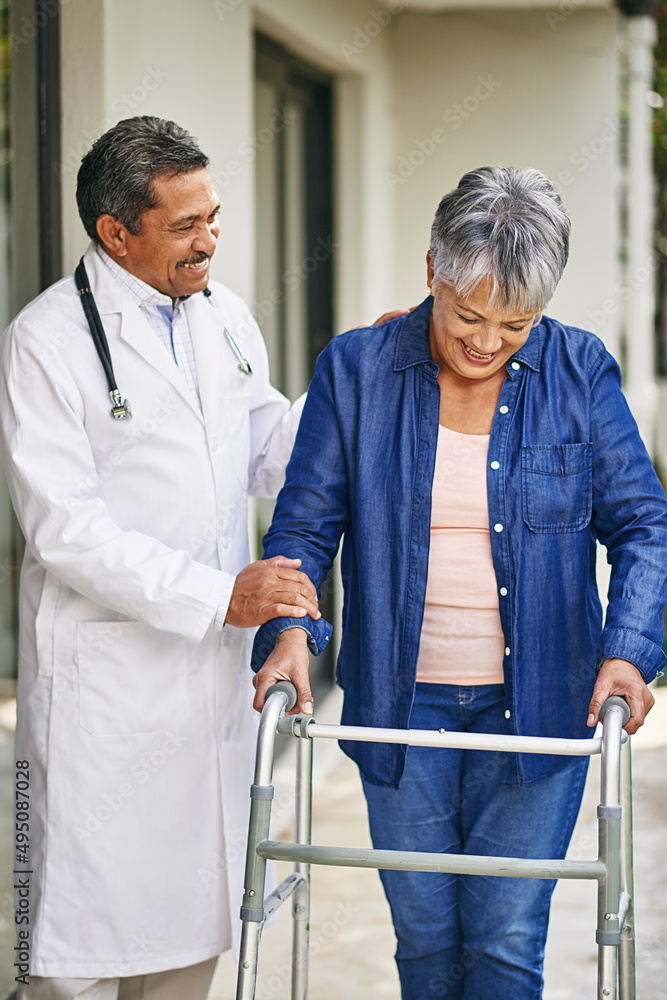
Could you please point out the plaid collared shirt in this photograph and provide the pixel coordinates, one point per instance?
(169, 322)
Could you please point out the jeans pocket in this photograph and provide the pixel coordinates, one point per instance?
(557, 486)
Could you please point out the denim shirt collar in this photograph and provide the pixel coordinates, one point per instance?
(412, 343)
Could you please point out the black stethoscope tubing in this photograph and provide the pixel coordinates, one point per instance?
(121, 407)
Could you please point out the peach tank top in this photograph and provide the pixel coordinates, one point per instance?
(462, 640)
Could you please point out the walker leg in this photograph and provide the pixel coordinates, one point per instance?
(626, 957)
(609, 841)
(301, 903)
(246, 983)
(261, 795)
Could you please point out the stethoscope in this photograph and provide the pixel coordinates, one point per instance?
(120, 408)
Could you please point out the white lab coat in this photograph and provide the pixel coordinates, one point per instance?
(134, 714)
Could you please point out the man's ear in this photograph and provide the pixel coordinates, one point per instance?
(113, 235)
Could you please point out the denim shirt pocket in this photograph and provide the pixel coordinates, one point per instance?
(557, 486)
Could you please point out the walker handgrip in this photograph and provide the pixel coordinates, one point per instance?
(616, 700)
(287, 688)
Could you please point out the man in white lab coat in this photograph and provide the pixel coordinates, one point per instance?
(135, 727)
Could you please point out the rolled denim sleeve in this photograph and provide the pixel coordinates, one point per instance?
(312, 509)
(630, 519)
(318, 632)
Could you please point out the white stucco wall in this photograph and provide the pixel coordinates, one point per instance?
(194, 63)
(529, 94)
(176, 61)
(546, 96)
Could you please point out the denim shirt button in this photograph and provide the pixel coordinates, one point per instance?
(503, 591)
(495, 465)
(504, 409)
(507, 713)
(516, 366)
(507, 651)
(497, 527)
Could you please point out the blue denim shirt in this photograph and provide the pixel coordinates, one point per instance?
(566, 466)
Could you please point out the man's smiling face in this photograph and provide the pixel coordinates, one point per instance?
(176, 241)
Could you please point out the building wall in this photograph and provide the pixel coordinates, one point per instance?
(510, 89)
(151, 58)
(530, 92)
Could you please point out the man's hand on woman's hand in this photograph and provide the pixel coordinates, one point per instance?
(271, 588)
(287, 662)
(621, 678)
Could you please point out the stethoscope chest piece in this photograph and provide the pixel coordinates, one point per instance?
(243, 365)
(121, 407)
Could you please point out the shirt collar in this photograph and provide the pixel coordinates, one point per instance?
(142, 293)
(412, 344)
(530, 353)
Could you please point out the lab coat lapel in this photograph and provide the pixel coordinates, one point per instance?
(133, 327)
(220, 382)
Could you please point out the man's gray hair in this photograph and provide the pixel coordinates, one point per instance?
(506, 224)
(116, 175)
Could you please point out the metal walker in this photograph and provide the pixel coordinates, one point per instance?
(613, 869)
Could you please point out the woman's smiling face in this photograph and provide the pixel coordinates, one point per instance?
(470, 339)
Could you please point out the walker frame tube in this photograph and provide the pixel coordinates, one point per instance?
(613, 869)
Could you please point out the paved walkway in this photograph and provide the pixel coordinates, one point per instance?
(351, 935)
(352, 941)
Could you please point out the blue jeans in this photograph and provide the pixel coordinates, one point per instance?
(469, 937)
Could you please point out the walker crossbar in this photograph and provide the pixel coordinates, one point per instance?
(613, 869)
(418, 861)
(306, 727)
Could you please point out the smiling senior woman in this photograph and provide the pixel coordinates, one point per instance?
(472, 452)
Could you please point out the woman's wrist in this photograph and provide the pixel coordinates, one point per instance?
(294, 636)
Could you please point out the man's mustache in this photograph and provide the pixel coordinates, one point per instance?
(195, 260)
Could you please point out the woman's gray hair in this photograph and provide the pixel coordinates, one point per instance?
(116, 175)
(506, 224)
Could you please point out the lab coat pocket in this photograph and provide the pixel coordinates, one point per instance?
(132, 678)
(557, 486)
